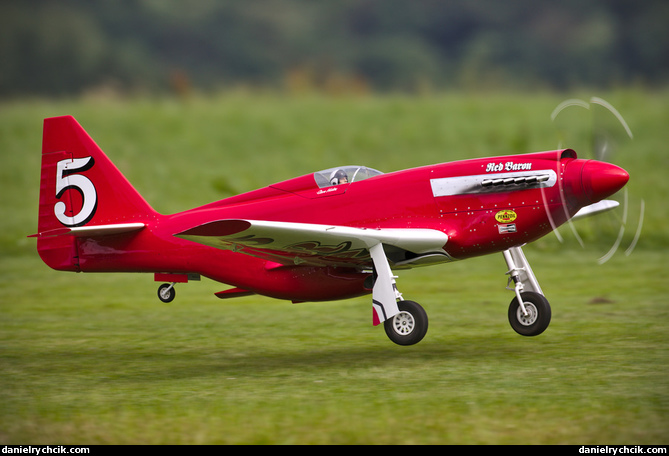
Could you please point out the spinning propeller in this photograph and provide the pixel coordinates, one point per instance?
(600, 145)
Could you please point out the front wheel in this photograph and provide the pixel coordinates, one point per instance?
(538, 314)
(409, 326)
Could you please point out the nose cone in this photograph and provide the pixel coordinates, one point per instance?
(601, 179)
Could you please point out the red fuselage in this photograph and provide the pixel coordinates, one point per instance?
(467, 200)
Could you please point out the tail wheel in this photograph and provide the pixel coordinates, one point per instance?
(409, 326)
(537, 318)
(166, 292)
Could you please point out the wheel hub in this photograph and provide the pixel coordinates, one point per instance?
(530, 318)
(403, 323)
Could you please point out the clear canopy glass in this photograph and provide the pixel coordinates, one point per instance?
(343, 175)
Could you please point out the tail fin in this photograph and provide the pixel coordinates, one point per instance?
(79, 187)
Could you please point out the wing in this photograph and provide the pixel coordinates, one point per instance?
(320, 245)
(330, 245)
(602, 206)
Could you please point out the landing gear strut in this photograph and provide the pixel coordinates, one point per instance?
(405, 322)
(529, 311)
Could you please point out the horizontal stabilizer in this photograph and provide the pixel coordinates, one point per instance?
(92, 230)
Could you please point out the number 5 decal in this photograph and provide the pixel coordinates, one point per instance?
(67, 179)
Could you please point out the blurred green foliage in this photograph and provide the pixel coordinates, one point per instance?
(71, 46)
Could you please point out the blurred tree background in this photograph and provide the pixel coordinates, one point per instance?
(67, 47)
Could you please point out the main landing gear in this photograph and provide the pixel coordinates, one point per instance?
(406, 322)
(529, 311)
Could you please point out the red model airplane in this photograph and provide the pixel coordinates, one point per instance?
(329, 235)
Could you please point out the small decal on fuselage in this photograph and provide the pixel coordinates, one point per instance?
(506, 228)
(508, 166)
(327, 190)
(506, 216)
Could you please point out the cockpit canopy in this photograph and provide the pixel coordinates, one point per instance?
(343, 175)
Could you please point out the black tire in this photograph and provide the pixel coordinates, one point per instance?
(165, 293)
(538, 318)
(409, 326)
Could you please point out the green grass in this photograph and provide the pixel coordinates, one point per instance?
(90, 359)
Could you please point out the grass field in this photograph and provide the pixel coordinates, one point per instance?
(88, 359)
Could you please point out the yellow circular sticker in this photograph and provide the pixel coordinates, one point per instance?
(505, 216)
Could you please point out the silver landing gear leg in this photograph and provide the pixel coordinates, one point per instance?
(521, 274)
(529, 311)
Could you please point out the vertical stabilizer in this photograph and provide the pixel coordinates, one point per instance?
(79, 187)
